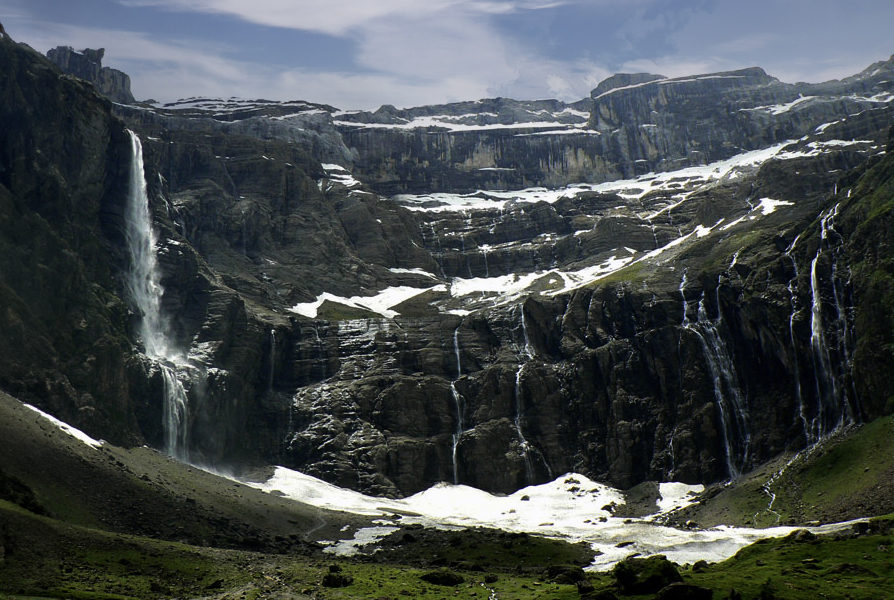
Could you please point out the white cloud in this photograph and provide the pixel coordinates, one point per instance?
(408, 52)
(338, 17)
(673, 66)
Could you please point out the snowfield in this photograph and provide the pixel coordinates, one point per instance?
(572, 508)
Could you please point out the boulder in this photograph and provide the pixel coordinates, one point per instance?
(638, 576)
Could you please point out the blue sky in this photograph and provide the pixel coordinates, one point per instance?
(360, 54)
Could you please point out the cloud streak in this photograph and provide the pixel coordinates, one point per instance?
(338, 17)
(361, 54)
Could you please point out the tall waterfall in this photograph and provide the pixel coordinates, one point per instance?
(458, 403)
(829, 314)
(145, 288)
(271, 371)
(525, 447)
(523, 444)
(730, 402)
(793, 299)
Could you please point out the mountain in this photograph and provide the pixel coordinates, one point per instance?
(87, 65)
(701, 288)
(675, 280)
(689, 322)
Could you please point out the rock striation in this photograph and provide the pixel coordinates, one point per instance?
(698, 281)
(631, 124)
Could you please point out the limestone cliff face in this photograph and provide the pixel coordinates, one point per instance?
(682, 325)
(63, 172)
(87, 65)
(631, 125)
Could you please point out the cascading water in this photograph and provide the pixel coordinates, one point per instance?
(270, 371)
(146, 291)
(793, 299)
(727, 392)
(524, 446)
(458, 402)
(835, 408)
(686, 322)
(485, 250)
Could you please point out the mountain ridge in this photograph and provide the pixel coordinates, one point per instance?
(494, 337)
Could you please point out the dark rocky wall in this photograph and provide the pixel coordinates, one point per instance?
(653, 124)
(87, 65)
(618, 379)
(64, 164)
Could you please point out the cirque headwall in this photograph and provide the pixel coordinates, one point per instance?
(702, 281)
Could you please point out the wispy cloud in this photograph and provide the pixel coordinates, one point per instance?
(408, 51)
(338, 17)
(363, 53)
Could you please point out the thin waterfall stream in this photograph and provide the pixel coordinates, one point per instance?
(458, 402)
(730, 402)
(834, 407)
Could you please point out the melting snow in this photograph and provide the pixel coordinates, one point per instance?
(629, 189)
(768, 205)
(339, 174)
(571, 507)
(362, 537)
(447, 122)
(72, 431)
(380, 303)
(778, 109)
(414, 272)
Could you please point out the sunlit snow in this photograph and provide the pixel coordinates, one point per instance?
(450, 124)
(572, 507)
(778, 109)
(339, 174)
(379, 303)
(72, 431)
(768, 205)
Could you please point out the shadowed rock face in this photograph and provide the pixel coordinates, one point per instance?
(87, 64)
(686, 325)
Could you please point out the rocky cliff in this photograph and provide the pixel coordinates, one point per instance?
(700, 281)
(63, 170)
(631, 125)
(87, 65)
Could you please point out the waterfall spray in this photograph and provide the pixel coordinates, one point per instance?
(524, 446)
(792, 287)
(271, 371)
(144, 285)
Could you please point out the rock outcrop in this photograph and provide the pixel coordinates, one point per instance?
(87, 65)
(65, 344)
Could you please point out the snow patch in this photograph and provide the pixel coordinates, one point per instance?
(778, 109)
(768, 205)
(572, 508)
(379, 303)
(72, 431)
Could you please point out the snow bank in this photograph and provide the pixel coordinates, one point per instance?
(72, 431)
(572, 507)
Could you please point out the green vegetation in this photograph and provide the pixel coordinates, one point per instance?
(800, 566)
(629, 274)
(850, 475)
(48, 559)
(852, 565)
